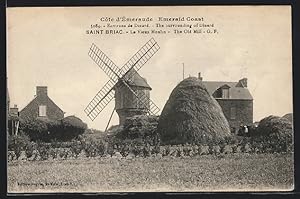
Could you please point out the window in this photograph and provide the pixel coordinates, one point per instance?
(232, 113)
(42, 111)
(225, 93)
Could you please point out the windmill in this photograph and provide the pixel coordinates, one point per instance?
(130, 90)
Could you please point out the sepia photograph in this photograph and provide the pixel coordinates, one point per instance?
(149, 99)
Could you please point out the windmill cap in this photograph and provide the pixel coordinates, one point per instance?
(137, 79)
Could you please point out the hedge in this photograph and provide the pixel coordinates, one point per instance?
(46, 130)
(140, 127)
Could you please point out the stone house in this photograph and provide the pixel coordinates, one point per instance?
(234, 99)
(42, 107)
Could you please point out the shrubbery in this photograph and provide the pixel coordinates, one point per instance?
(76, 148)
(17, 144)
(46, 130)
(43, 151)
(72, 127)
(30, 149)
(36, 129)
(139, 127)
(273, 135)
(93, 147)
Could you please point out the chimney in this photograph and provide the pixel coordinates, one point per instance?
(199, 76)
(243, 82)
(41, 91)
(14, 111)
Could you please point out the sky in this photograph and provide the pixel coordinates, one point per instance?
(49, 47)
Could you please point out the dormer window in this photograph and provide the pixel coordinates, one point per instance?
(225, 93)
(222, 92)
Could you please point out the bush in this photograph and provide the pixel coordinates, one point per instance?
(140, 127)
(36, 129)
(100, 148)
(10, 155)
(47, 130)
(124, 151)
(147, 150)
(30, 149)
(110, 149)
(55, 143)
(74, 122)
(63, 153)
(54, 131)
(40, 129)
(17, 143)
(137, 150)
(53, 153)
(167, 150)
(72, 127)
(76, 148)
(156, 149)
(43, 150)
(93, 147)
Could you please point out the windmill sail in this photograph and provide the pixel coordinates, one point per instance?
(108, 66)
(136, 62)
(140, 58)
(100, 101)
(106, 94)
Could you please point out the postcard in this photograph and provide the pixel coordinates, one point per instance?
(149, 99)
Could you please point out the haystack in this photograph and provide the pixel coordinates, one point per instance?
(275, 134)
(191, 115)
(272, 125)
(289, 117)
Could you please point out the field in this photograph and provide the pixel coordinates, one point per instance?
(238, 172)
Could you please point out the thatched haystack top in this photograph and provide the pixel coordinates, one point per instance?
(191, 115)
(191, 82)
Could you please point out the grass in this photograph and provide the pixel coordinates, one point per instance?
(233, 172)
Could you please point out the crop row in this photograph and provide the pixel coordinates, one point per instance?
(98, 148)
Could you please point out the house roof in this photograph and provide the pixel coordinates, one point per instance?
(49, 100)
(137, 79)
(234, 91)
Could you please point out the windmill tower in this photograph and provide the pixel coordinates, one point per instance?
(130, 90)
(126, 103)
